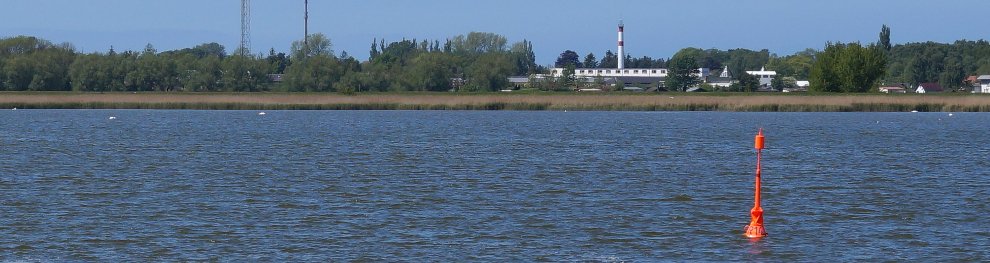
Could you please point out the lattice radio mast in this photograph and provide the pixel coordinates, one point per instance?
(245, 27)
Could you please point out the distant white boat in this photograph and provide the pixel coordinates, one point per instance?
(914, 111)
(113, 118)
(950, 114)
(14, 109)
(262, 113)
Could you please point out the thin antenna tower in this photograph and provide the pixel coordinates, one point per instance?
(306, 20)
(245, 27)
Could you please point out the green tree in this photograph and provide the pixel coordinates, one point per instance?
(431, 72)
(797, 65)
(568, 57)
(567, 79)
(277, 62)
(885, 38)
(525, 58)
(317, 45)
(609, 60)
(489, 72)
(31, 63)
(313, 74)
(244, 74)
(477, 43)
(682, 70)
(204, 74)
(746, 83)
(848, 68)
(314, 67)
(590, 61)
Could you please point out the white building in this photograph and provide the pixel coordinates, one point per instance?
(766, 77)
(627, 75)
(984, 83)
(613, 72)
(723, 80)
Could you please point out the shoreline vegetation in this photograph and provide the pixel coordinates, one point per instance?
(535, 101)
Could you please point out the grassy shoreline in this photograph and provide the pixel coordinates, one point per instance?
(760, 102)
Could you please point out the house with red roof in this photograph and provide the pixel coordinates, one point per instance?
(930, 87)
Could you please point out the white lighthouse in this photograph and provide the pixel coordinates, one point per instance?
(622, 46)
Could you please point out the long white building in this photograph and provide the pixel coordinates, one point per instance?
(627, 75)
(626, 72)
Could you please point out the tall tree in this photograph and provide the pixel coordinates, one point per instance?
(590, 61)
(609, 60)
(374, 50)
(568, 57)
(885, 38)
(682, 69)
(525, 58)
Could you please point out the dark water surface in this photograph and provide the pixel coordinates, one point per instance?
(490, 186)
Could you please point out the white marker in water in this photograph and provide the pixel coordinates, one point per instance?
(950, 114)
(113, 118)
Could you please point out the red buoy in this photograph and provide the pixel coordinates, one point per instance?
(755, 228)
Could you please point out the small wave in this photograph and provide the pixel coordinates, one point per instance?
(679, 198)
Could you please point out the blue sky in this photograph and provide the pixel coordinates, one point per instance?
(653, 28)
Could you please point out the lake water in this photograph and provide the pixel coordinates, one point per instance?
(502, 186)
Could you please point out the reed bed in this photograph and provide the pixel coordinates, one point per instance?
(548, 101)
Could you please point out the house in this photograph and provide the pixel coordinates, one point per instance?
(519, 82)
(766, 77)
(929, 88)
(984, 81)
(800, 86)
(892, 89)
(723, 80)
(972, 83)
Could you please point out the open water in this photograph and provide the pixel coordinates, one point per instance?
(438, 186)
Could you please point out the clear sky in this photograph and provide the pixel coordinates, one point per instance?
(656, 28)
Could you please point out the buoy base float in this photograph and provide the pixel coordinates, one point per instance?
(755, 228)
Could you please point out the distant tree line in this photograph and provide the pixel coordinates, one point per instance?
(475, 62)
(472, 62)
(946, 64)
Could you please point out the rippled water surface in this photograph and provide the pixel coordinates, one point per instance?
(490, 186)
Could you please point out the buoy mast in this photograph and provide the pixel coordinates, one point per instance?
(755, 228)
